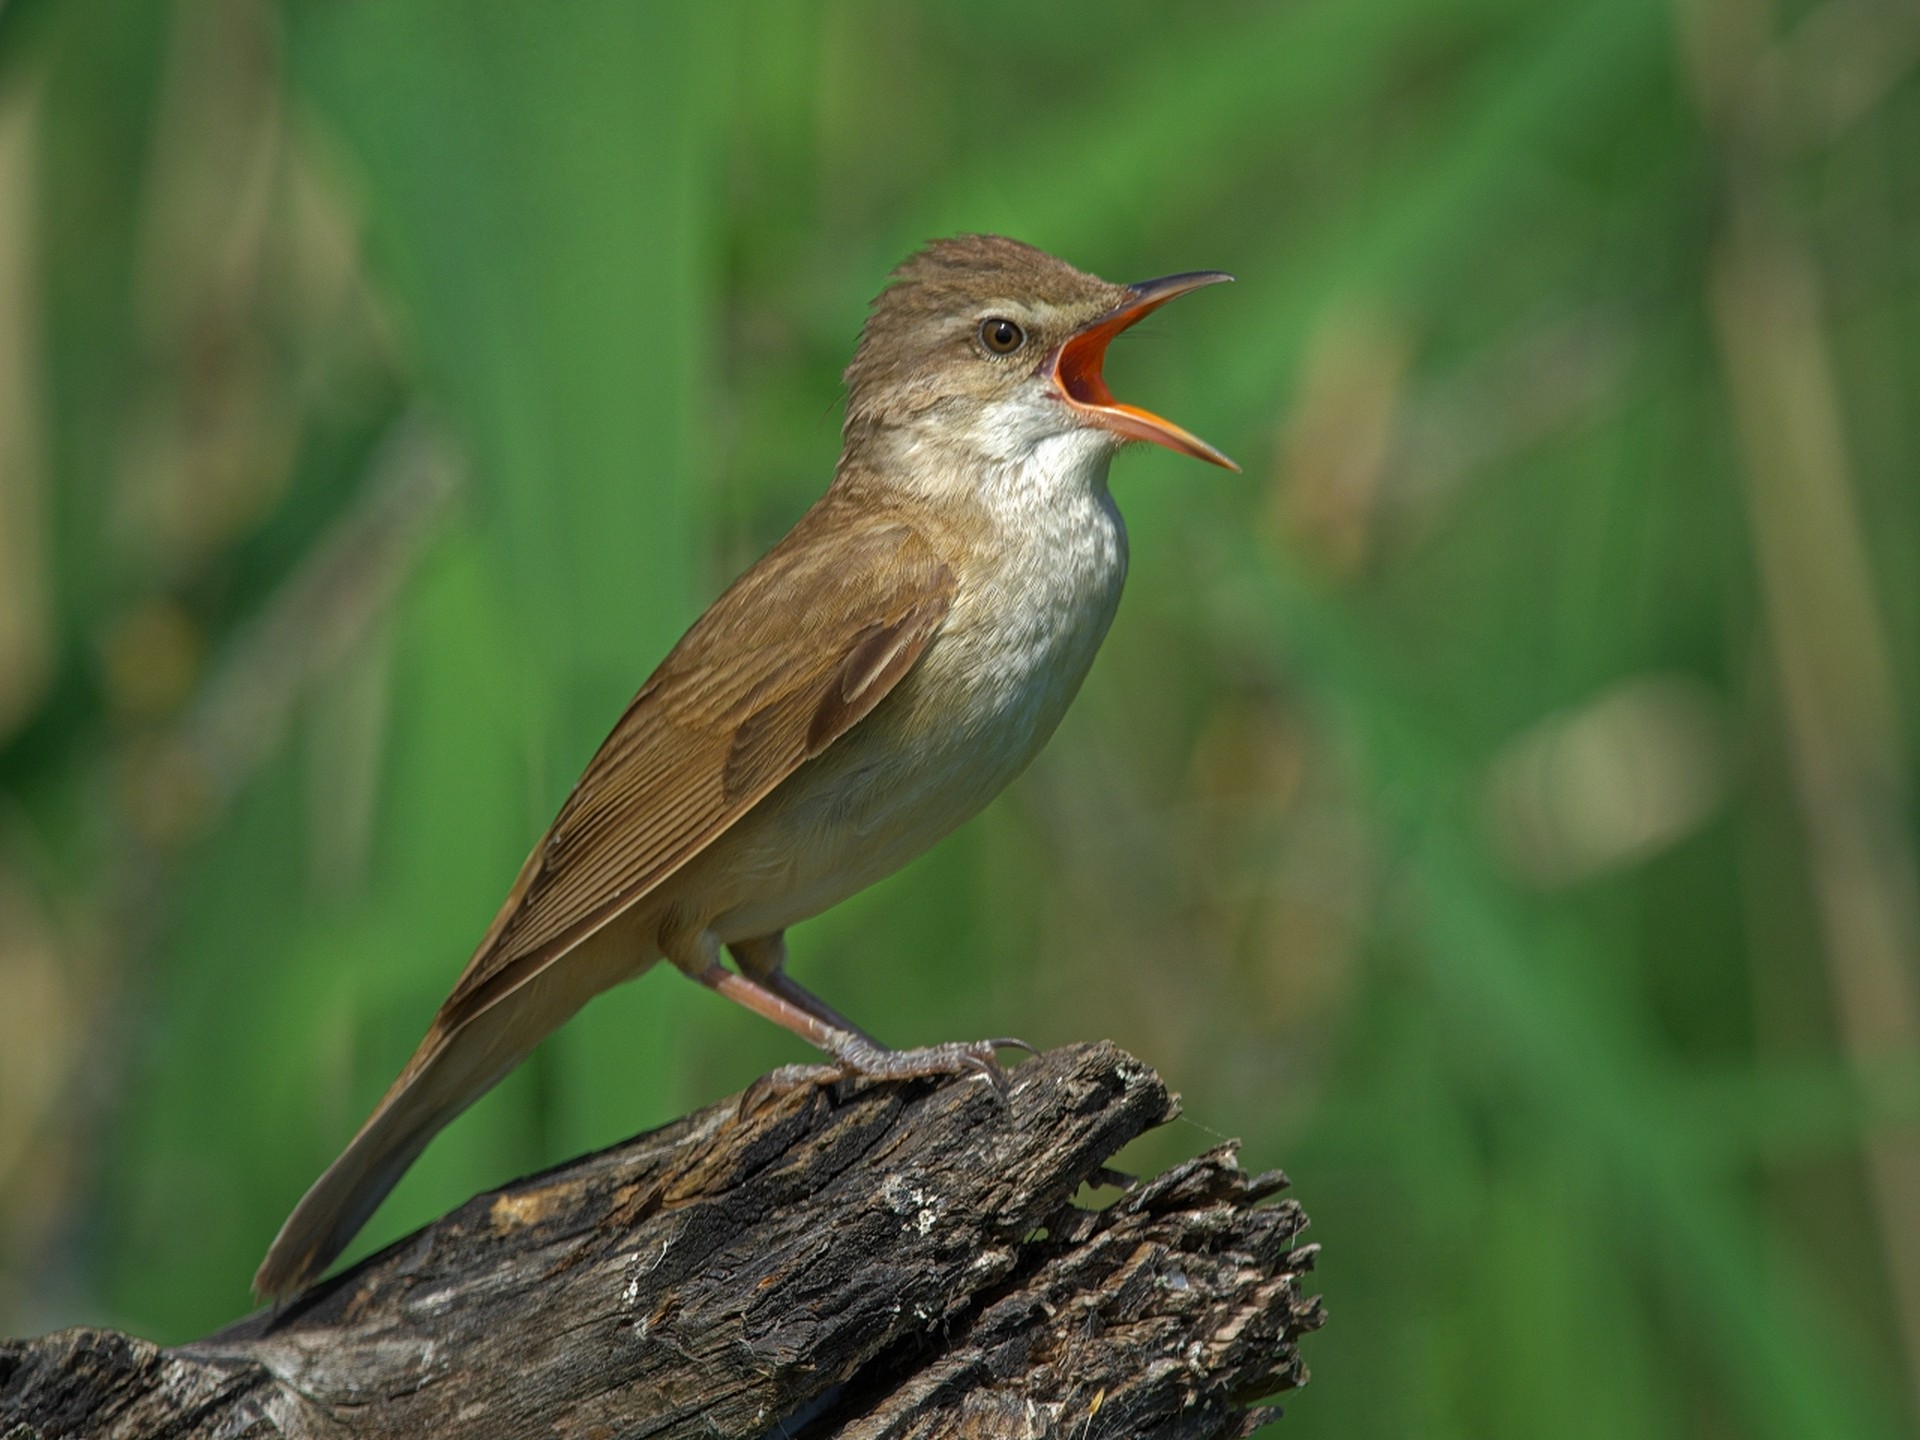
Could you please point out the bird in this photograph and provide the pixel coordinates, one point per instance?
(864, 688)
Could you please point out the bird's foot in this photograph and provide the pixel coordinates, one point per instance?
(792, 1077)
(979, 1058)
(776, 1084)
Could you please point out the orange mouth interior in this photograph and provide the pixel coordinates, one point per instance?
(1076, 371)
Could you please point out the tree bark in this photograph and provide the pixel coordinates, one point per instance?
(810, 1258)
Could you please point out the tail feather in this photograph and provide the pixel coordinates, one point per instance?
(455, 1065)
(448, 1073)
(342, 1200)
(441, 1081)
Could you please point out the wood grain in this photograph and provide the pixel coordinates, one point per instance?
(847, 1259)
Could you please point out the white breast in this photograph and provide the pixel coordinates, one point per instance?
(982, 700)
(1023, 634)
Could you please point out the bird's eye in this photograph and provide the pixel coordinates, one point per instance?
(1001, 336)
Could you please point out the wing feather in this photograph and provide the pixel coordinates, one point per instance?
(796, 652)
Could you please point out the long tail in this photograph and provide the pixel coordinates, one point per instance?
(447, 1074)
(451, 1069)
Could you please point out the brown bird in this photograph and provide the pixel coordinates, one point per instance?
(869, 684)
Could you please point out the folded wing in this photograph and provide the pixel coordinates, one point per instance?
(795, 653)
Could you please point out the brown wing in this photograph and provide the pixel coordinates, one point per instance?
(798, 650)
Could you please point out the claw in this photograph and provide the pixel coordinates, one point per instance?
(788, 1078)
(974, 1059)
(1007, 1042)
(987, 1067)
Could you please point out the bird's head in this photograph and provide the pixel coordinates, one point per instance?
(984, 342)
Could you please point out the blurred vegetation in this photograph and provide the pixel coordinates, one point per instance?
(1497, 806)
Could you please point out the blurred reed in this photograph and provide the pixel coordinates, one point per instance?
(1497, 807)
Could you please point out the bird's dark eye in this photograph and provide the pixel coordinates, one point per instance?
(1002, 337)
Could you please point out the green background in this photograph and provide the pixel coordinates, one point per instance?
(1496, 806)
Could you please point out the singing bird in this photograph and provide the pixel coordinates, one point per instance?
(869, 684)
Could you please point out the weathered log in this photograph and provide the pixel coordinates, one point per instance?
(807, 1259)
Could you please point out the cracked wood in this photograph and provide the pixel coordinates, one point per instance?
(812, 1259)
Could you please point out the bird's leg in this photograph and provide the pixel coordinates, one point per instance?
(765, 960)
(856, 1052)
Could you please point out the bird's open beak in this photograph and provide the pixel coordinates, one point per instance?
(1076, 368)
